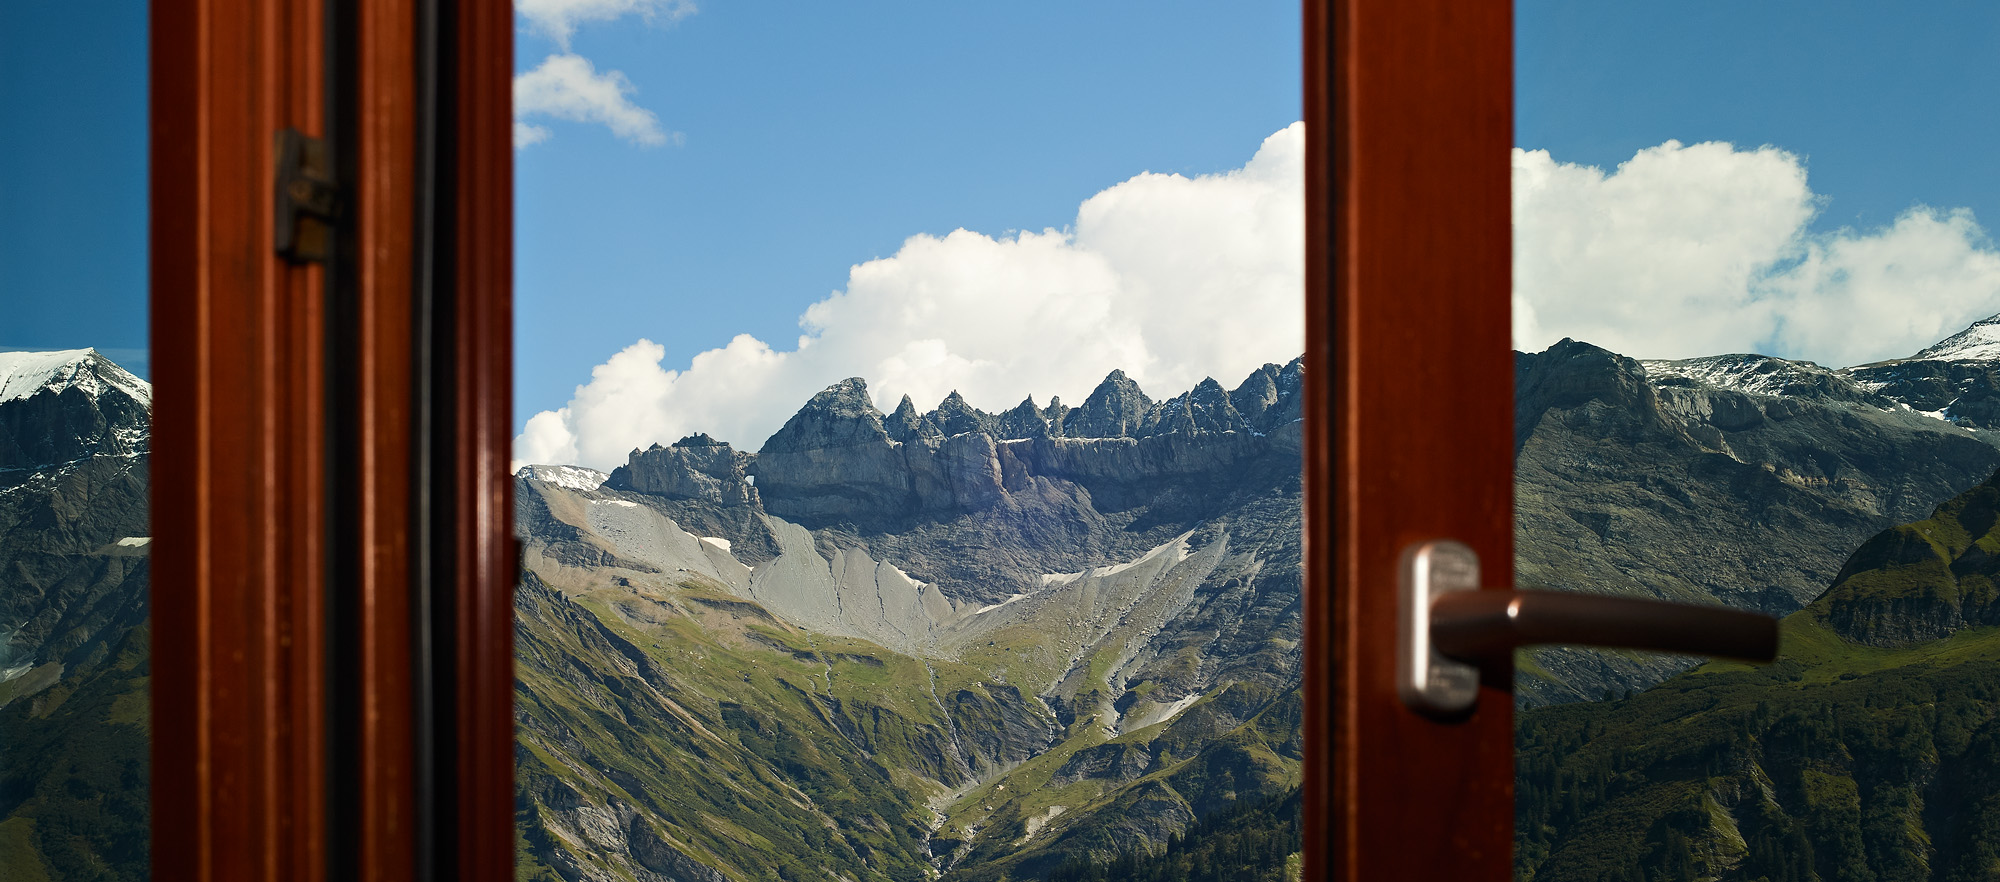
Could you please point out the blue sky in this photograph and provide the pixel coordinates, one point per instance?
(73, 177)
(1891, 104)
(804, 141)
(826, 136)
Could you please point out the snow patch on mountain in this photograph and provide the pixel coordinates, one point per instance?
(1755, 374)
(24, 374)
(566, 476)
(1980, 342)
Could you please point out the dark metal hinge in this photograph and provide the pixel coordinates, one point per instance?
(308, 201)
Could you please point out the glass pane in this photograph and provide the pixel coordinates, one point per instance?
(985, 563)
(1754, 298)
(75, 409)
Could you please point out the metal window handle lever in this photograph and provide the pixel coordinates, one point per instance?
(1448, 627)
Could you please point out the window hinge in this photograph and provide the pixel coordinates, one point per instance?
(308, 201)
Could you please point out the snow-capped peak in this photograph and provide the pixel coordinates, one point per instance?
(1981, 342)
(23, 374)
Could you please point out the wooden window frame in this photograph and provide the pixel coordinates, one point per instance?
(333, 509)
(334, 559)
(1409, 435)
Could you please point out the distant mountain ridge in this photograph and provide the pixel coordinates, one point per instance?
(1736, 479)
(839, 463)
(1955, 380)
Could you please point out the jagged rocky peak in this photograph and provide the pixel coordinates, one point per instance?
(839, 460)
(1117, 408)
(841, 415)
(1257, 392)
(1205, 408)
(955, 417)
(1024, 421)
(1055, 414)
(836, 459)
(906, 426)
(695, 467)
(1270, 399)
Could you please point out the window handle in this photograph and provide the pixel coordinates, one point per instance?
(1450, 629)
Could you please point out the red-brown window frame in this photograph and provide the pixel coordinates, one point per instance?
(244, 699)
(1409, 114)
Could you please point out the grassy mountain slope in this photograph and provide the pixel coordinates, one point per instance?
(674, 723)
(1869, 752)
(79, 810)
(1254, 841)
(691, 727)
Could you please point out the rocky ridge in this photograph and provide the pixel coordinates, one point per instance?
(1738, 479)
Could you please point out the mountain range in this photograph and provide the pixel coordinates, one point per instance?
(897, 645)
(1000, 645)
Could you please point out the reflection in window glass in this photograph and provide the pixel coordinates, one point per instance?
(1755, 297)
(985, 564)
(75, 409)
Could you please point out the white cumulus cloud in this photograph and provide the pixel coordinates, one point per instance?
(1702, 249)
(526, 135)
(568, 87)
(557, 19)
(1171, 278)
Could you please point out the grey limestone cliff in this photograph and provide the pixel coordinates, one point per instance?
(695, 467)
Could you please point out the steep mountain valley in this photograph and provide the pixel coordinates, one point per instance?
(960, 643)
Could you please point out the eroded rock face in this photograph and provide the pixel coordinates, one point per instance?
(834, 460)
(695, 467)
(839, 460)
